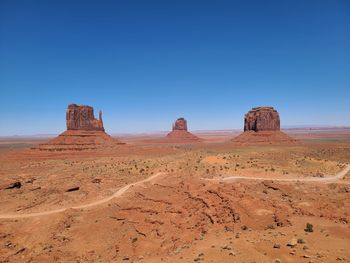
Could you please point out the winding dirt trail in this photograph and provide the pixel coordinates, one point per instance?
(122, 190)
(118, 193)
(328, 179)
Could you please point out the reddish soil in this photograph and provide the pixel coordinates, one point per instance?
(263, 137)
(180, 215)
(79, 140)
(181, 136)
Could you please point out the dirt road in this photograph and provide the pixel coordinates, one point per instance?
(122, 190)
(118, 193)
(328, 179)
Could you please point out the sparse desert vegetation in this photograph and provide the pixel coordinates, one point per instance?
(189, 212)
(174, 131)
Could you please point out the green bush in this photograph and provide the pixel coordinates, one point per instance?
(309, 228)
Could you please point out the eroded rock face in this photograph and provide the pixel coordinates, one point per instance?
(262, 119)
(262, 126)
(84, 133)
(180, 125)
(81, 117)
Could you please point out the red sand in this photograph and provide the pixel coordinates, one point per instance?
(79, 140)
(263, 137)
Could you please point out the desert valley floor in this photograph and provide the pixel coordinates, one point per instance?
(211, 201)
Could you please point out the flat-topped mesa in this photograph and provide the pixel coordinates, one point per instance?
(81, 117)
(180, 125)
(262, 126)
(84, 132)
(262, 119)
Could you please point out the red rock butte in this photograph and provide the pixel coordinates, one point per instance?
(180, 134)
(81, 117)
(262, 119)
(180, 125)
(84, 132)
(262, 126)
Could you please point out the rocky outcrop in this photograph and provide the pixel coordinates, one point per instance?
(84, 132)
(262, 126)
(180, 134)
(262, 119)
(81, 117)
(180, 125)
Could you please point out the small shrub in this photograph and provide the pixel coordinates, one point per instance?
(270, 226)
(309, 228)
(301, 241)
(244, 227)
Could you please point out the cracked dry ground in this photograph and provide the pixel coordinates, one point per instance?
(182, 218)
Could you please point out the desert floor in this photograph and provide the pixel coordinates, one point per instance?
(154, 202)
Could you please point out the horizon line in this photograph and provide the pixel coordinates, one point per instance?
(286, 127)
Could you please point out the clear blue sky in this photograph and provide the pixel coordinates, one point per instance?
(145, 63)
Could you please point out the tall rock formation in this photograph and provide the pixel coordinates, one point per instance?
(262, 126)
(81, 117)
(180, 134)
(84, 132)
(262, 119)
(180, 125)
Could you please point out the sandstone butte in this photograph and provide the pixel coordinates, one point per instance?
(180, 134)
(84, 132)
(262, 126)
